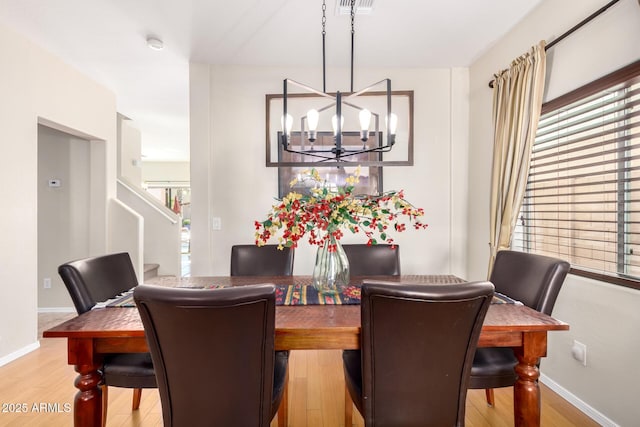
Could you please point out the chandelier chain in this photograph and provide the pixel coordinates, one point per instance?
(324, 55)
(324, 17)
(353, 16)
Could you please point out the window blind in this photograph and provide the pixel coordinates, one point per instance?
(582, 201)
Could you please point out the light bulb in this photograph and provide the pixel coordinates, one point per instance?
(365, 119)
(334, 123)
(392, 124)
(312, 117)
(286, 124)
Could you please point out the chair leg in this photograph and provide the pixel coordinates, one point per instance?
(490, 399)
(105, 400)
(283, 410)
(137, 395)
(348, 408)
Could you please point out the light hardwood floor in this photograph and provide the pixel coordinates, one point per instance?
(42, 383)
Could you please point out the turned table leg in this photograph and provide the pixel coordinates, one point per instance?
(87, 406)
(88, 401)
(526, 392)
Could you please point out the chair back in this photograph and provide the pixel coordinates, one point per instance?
(418, 343)
(213, 351)
(96, 279)
(534, 280)
(267, 260)
(373, 260)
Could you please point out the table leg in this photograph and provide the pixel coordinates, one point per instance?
(87, 406)
(526, 392)
(88, 402)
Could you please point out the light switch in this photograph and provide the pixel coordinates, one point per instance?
(216, 223)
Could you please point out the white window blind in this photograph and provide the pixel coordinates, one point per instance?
(582, 201)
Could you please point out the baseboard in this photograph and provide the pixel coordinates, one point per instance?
(588, 410)
(56, 310)
(17, 354)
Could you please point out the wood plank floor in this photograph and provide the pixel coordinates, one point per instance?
(41, 383)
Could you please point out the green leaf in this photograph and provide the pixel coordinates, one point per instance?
(383, 236)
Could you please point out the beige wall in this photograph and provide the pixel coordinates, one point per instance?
(63, 212)
(129, 151)
(229, 179)
(601, 316)
(165, 171)
(37, 87)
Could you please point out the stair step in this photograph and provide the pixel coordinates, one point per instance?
(150, 270)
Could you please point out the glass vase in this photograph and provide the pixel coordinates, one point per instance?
(331, 271)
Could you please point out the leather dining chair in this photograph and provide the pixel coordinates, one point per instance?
(267, 260)
(535, 281)
(417, 346)
(97, 279)
(214, 354)
(373, 260)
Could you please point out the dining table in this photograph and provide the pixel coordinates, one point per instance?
(321, 325)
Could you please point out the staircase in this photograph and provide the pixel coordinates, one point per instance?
(150, 271)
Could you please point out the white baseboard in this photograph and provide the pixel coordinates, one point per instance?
(56, 310)
(589, 411)
(16, 354)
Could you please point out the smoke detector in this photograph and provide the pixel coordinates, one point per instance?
(362, 7)
(155, 43)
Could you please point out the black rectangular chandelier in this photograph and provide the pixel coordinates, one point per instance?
(300, 142)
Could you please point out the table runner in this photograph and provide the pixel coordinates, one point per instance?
(297, 295)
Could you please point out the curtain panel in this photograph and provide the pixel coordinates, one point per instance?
(517, 101)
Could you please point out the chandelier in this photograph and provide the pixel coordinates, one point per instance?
(375, 122)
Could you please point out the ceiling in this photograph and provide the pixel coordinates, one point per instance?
(106, 39)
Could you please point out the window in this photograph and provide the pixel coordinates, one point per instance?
(582, 201)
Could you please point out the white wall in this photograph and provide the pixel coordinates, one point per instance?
(161, 230)
(229, 179)
(63, 212)
(130, 235)
(602, 316)
(129, 151)
(165, 171)
(37, 87)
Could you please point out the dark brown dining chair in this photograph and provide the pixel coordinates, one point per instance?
(267, 260)
(373, 260)
(97, 279)
(214, 354)
(535, 281)
(417, 346)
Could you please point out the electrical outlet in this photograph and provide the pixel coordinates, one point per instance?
(579, 352)
(47, 283)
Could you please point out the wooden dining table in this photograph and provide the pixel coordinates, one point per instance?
(299, 327)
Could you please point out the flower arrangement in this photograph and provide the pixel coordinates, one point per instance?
(330, 209)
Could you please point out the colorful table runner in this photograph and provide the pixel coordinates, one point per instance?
(302, 295)
(308, 295)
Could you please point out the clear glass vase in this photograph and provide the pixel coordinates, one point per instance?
(331, 271)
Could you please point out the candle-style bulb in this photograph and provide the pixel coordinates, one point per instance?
(365, 119)
(313, 117)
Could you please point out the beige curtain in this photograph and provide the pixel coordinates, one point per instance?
(517, 100)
